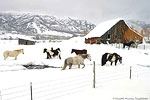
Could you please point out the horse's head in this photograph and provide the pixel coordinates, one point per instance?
(45, 50)
(22, 51)
(58, 49)
(120, 59)
(72, 50)
(89, 57)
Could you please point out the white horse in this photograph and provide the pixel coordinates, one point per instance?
(77, 60)
(14, 53)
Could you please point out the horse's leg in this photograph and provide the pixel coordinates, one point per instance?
(116, 62)
(79, 66)
(15, 57)
(59, 56)
(50, 56)
(47, 55)
(5, 56)
(123, 45)
(128, 47)
(111, 63)
(83, 66)
(70, 65)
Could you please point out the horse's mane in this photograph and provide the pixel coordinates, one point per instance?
(84, 55)
(73, 50)
(18, 50)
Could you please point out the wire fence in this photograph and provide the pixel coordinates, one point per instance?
(139, 46)
(47, 90)
(54, 89)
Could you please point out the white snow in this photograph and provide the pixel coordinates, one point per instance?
(55, 33)
(15, 36)
(34, 25)
(48, 32)
(112, 82)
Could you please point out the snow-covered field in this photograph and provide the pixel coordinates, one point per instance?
(112, 82)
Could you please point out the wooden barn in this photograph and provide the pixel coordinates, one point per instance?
(23, 41)
(115, 31)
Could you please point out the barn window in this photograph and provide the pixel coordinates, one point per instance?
(108, 36)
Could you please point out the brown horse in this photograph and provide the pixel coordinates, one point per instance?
(77, 52)
(14, 53)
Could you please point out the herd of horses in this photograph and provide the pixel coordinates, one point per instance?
(81, 55)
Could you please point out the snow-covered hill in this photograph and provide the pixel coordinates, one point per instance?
(30, 24)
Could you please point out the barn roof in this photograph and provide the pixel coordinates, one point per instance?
(135, 31)
(103, 27)
(26, 38)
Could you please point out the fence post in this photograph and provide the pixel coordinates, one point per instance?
(31, 90)
(130, 72)
(94, 75)
(0, 95)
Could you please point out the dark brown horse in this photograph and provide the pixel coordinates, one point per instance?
(128, 44)
(84, 51)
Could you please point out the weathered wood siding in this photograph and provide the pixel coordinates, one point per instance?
(130, 35)
(120, 33)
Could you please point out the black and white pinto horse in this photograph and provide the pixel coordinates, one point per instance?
(128, 44)
(52, 53)
(111, 57)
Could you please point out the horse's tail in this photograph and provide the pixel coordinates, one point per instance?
(65, 65)
(104, 59)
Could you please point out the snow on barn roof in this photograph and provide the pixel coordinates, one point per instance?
(102, 28)
(26, 38)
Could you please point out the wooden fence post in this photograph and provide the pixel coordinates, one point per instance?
(130, 72)
(31, 90)
(94, 75)
(0, 95)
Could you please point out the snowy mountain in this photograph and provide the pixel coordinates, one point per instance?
(142, 24)
(30, 24)
(139, 25)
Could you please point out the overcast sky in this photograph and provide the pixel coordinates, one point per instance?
(93, 10)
